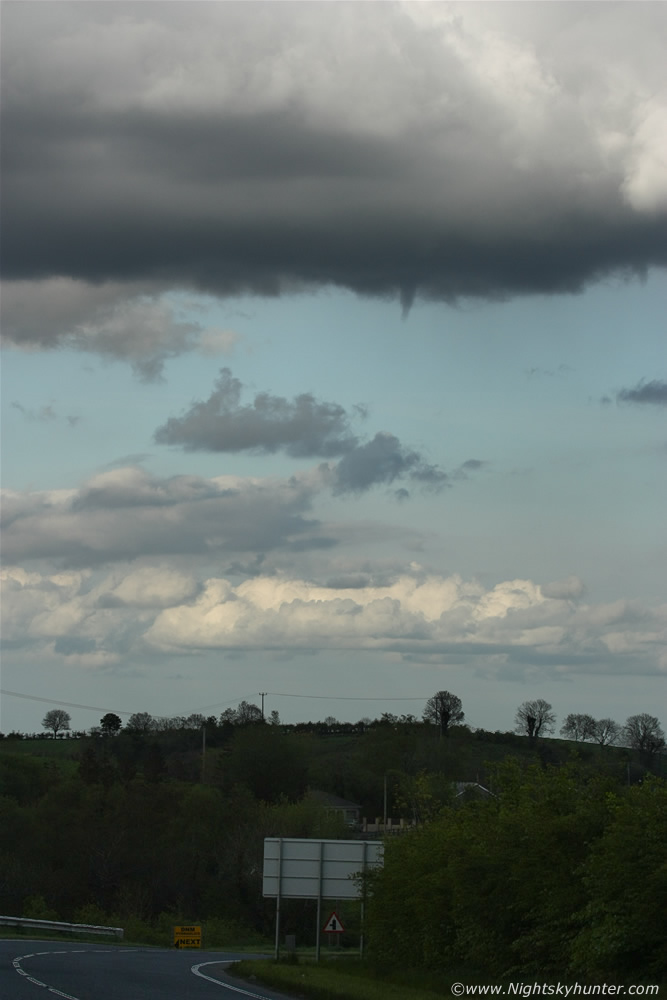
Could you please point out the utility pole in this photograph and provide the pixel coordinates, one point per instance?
(261, 694)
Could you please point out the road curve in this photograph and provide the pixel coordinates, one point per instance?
(39, 970)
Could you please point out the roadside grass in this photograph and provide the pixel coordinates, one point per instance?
(341, 979)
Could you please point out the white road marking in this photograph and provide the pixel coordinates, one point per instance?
(31, 979)
(237, 989)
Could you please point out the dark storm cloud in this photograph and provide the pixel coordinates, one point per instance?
(150, 146)
(262, 206)
(303, 427)
(646, 393)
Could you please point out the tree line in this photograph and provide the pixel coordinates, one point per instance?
(534, 719)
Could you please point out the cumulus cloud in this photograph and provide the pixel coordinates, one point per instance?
(652, 393)
(514, 625)
(303, 427)
(403, 149)
(383, 460)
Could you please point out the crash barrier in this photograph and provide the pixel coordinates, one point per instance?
(59, 925)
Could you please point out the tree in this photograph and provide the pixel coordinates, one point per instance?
(247, 712)
(195, 721)
(444, 709)
(274, 718)
(56, 719)
(140, 722)
(268, 762)
(644, 733)
(110, 724)
(534, 719)
(606, 732)
(578, 727)
(622, 933)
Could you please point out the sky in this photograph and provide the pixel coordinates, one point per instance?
(334, 358)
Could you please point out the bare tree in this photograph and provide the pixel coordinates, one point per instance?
(606, 732)
(644, 733)
(534, 719)
(578, 727)
(57, 720)
(444, 709)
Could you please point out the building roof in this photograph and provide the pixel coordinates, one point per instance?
(332, 801)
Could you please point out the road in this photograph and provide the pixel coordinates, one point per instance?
(37, 970)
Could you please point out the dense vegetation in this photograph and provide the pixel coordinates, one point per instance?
(561, 871)
(563, 875)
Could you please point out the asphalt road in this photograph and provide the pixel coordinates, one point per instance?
(37, 970)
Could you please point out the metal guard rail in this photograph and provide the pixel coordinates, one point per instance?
(59, 925)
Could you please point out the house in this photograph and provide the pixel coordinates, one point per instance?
(467, 791)
(350, 811)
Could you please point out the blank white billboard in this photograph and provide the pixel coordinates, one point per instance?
(317, 869)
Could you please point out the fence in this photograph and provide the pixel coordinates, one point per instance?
(58, 925)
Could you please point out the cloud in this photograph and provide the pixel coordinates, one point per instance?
(134, 322)
(303, 427)
(504, 630)
(383, 460)
(125, 514)
(647, 393)
(45, 414)
(570, 589)
(397, 149)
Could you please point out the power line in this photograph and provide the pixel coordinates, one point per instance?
(219, 704)
(231, 701)
(67, 704)
(337, 697)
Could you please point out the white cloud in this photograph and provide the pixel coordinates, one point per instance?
(512, 626)
(155, 587)
(645, 184)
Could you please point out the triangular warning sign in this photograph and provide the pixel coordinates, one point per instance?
(333, 925)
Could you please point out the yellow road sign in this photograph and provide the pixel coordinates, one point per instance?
(187, 936)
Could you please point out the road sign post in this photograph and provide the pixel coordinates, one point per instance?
(304, 868)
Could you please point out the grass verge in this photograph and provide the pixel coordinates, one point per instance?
(341, 979)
